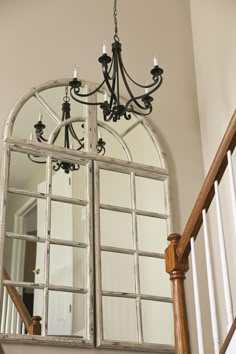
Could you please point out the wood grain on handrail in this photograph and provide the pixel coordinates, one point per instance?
(19, 304)
(207, 192)
(228, 338)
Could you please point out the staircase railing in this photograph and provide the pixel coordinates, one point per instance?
(177, 263)
(30, 324)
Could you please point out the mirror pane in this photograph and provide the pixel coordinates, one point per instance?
(150, 195)
(157, 320)
(11, 323)
(28, 117)
(73, 227)
(142, 147)
(67, 314)
(113, 147)
(68, 266)
(54, 98)
(116, 229)
(152, 234)
(121, 313)
(70, 185)
(115, 188)
(150, 285)
(118, 272)
(23, 254)
(25, 215)
(19, 179)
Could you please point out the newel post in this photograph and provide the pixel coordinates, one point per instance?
(35, 327)
(177, 272)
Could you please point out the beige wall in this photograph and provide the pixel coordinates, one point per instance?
(42, 40)
(214, 33)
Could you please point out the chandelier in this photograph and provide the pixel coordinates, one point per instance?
(70, 139)
(113, 71)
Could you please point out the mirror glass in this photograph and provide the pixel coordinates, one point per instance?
(157, 332)
(116, 229)
(121, 312)
(118, 272)
(115, 188)
(62, 318)
(152, 234)
(158, 285)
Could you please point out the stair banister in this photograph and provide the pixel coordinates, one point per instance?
(206, 194)
(32, 325)
(176, 254)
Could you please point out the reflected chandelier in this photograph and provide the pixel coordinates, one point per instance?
(113, 70)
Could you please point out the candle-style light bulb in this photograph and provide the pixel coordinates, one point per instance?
(75, 75)
(104, 48)
(155, 62)
(40, 117)
(146, 90)
(99, 134)
(105, 96)
(31, 136)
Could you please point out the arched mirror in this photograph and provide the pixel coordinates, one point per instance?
(85, 216)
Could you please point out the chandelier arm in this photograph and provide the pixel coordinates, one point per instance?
(133, 98)
(106, 77)
(136, 83)
(158, 84)
(36, 161)
(83, 102)
(90, 93)
(75, 136)
(143, 114)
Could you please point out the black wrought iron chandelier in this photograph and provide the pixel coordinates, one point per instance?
(70, 139)
(113, 69)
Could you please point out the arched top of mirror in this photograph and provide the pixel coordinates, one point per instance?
(131, 140)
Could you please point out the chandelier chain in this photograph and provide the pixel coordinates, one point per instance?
(116, 37)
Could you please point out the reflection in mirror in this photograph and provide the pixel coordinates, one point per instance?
(118, 272)
(71, 228)
(160, 285)
(19, 179)
(161, 331)
(63, 310)
(115, 188)
(71, 185)
(11, 322)
(150, 195)
(116, 229)
(28, 117)
(113, 146)
(23, 213)
(142, 146)
(152, 234)
(25, 252)
(121, 312)
(70, 272)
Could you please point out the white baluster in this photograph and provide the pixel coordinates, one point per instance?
(212, 300)
(232, 187)
(196, 300)
(8, 315)
(223, 260)
(4, 310)
(23, 329)
(18, 324)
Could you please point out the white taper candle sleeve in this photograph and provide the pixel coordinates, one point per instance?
(196, 300)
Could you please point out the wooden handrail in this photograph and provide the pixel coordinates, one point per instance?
(228, 338)
(207, 191)
(32, 325)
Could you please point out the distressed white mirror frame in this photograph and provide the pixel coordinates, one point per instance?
(95, 164)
